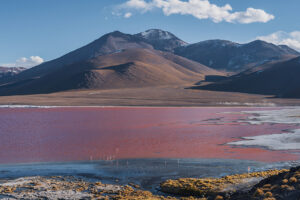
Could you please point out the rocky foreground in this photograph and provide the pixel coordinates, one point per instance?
(268, 185)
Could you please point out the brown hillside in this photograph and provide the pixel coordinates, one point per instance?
(126, 69)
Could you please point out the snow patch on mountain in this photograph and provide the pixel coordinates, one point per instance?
(162, 35)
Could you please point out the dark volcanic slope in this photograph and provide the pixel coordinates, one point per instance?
(279, 78)
(125, 69)
(294, 93)
(161, 40)
(230, 56)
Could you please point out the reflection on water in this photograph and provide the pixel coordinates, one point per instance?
(76, 134)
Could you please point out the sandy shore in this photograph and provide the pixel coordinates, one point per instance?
(151, 96)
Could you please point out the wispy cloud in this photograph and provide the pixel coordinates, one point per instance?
(200, 9)
(25, 62)
(291, 39)
(128, 15)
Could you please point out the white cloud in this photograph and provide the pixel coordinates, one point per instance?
(291, 39)
(201, 9)
(138, 4)
(251, 15)
(128, 15)
(26, 62)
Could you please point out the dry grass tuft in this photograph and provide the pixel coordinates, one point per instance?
(211, 186)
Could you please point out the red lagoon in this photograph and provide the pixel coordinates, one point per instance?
(95, 133)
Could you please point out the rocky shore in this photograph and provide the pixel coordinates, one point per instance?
(213, 187)
(267, 185)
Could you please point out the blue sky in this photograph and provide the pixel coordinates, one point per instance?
(47, 29)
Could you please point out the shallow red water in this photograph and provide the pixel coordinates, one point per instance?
(69, 134)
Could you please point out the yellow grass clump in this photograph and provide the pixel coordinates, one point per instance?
(219, 197)
(268, 194)
(259, 192)
(293, 180)
(210, 186)
(285, 181)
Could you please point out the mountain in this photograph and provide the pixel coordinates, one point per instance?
(234, 57)
(127, 68)
(161, 40)
(6, 72)
(279, 78)
(107, 44)
(155, 58)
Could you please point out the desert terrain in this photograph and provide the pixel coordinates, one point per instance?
(147, 96)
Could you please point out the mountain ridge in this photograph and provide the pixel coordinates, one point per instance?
(235, 57)
(8, 72)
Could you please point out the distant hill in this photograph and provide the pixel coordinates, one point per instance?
(234, 57)
(278, 78)
(7, 72)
